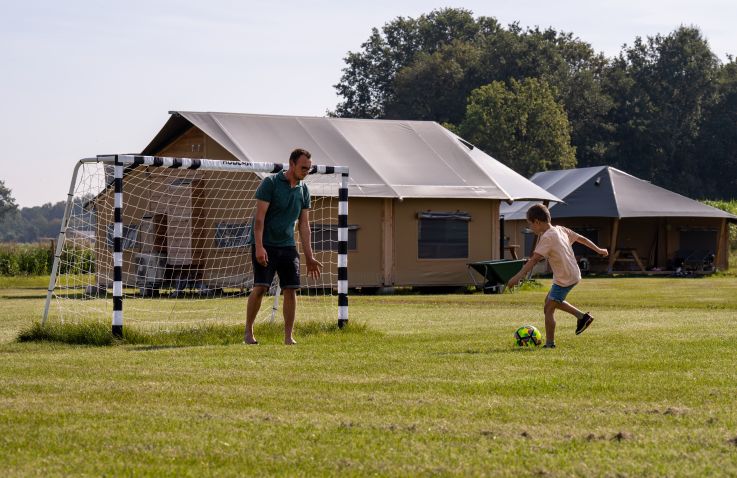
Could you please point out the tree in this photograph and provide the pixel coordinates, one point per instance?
(566, 63)
(7, 202)
(661, 88)
(717, 143)
(425, 68)
(435, 86)
(366, 80)
(523, 126)
(367, 84)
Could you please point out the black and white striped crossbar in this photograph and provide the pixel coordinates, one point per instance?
(121, 161)
(214, 164)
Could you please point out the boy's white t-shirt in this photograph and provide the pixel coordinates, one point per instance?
(555, 246)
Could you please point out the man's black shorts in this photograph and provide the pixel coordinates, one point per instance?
(283, 261)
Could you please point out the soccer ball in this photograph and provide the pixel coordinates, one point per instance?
(528, 335)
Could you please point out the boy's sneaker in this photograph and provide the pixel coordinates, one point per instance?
(583, 323)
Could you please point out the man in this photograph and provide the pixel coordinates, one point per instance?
(281, 200)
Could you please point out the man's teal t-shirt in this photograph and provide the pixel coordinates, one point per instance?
(285, 206)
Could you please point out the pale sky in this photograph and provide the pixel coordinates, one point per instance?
(83, 77)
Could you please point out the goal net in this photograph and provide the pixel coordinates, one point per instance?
(162, 242)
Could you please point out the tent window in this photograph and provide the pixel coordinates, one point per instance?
(325, 237)
(443, 235)
(529, 242)
(130, 236)
(231, 235)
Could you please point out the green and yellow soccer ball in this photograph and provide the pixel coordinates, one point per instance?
(528, 335)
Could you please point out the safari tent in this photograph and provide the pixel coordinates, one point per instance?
(646, 228)
(423, 202)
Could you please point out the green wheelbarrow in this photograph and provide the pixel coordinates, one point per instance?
(496, 273)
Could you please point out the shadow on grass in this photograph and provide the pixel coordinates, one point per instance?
(153, 348)
(100, 334)
(490, 351)
(38, 296)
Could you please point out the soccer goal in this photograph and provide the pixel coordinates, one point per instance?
(162, 242)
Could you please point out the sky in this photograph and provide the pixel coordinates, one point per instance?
(82, 77)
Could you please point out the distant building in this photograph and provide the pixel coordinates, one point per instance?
(643, 226)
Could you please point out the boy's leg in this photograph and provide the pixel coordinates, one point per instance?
(557, 293)
(568, 307)
(583, 320)
(550, 306)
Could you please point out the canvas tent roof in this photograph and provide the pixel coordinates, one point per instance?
(604, 191)
(387, 158)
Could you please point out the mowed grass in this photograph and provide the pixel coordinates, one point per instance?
(422, 386)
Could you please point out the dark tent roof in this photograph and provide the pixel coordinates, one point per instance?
(604, 191)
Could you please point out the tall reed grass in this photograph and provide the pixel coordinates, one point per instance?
(18, 259)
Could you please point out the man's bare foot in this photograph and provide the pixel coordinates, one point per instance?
(250, 341)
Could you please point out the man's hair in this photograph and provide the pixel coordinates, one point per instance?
(538, 212)
(298, 153)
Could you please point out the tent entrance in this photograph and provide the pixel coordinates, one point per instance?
(697, 249)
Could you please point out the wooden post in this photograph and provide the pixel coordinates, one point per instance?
(667, 238)
(387, 242)
(721, 246)
(501, 236)
(613, 245)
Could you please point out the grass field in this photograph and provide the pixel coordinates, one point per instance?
(424, 386)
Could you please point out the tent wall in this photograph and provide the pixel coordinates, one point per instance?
(365, 263)
(192, 144)
(483, 241)
(387, 234)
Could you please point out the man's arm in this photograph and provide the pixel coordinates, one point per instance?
(258, 232)
(586, 242)
(525, 269)
(314, 268)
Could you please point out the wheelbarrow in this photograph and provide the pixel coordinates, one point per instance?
(496, 273)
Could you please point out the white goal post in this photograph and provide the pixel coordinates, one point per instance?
(192, 217)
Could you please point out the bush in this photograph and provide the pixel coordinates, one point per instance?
(730, 207)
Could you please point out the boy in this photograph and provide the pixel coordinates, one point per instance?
(555, 245)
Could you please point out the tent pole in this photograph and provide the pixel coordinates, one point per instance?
(501, 236)
(387, 240)
(721, 245)
(613, 245)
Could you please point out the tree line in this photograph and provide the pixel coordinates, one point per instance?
(664, 109)
(32, 224)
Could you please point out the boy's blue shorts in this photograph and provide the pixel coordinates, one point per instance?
(559, 293)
